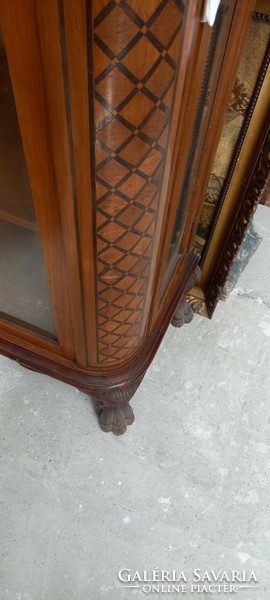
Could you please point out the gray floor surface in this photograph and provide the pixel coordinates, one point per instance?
(187, 487)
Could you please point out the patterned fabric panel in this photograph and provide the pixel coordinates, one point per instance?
(252, 58)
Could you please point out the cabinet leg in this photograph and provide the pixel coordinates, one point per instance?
(184, 312)
(113, 408)
(116, 419)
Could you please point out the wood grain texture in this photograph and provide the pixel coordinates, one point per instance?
(237, 35)
(197, 94)
(95, 381)
(107, 94)
(210, 77)
(18, 22)
(78, 96)
(49, 33)
(135, 62)
(127, 149)
(16, 203)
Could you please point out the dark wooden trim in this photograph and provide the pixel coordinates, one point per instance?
(89, 34)
(28, 327)
(63, 46)
(75, 24)
(248, 205)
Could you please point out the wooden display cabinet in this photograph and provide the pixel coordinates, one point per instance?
(111, 113)
(240, 170)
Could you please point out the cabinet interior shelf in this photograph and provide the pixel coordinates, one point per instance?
(16, 203)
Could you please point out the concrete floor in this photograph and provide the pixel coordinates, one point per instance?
(187, 487)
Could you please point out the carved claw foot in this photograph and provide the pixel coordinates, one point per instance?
(183, 314)
(116, 419)
(113, 409)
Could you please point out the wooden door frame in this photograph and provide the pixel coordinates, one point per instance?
(231, 57)
(35, 63)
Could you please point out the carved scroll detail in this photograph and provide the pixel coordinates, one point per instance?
(198, 305)
(249, 204)
(117, 396)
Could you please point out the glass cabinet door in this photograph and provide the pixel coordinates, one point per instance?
(24, 292)
(209, 82)
(213, 73)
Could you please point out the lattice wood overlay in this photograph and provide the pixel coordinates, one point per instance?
(135, 57)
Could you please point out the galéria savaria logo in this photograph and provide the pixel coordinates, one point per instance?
(181, 582)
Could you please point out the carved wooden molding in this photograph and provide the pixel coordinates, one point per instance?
(115, 420)
(197, 304)
(116, 397)
(113, 408)
(257, 16)
(241, 138)
(248, 206)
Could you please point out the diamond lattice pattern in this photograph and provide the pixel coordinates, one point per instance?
(136, 46)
